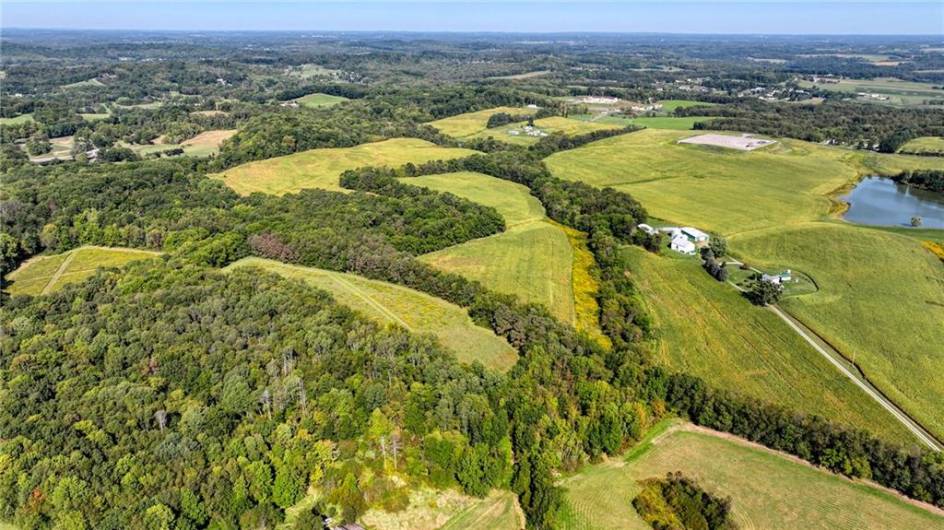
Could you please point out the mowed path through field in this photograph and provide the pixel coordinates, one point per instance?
(46, 274)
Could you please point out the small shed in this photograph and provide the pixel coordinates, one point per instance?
(681, 244)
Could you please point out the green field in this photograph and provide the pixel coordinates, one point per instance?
(924, 144)
(651, 122)
(318, 100)
(510, 263)
(46, 274)
(880, 303)
(393, 304)
(708, 329)
(670, 105)
(321, 168)
(449, 510)
(788, 182)
(553, 124)
(498, 511)
(17, 120)
(202, 145)
(768, 490)
(894, 91)
(470, 123)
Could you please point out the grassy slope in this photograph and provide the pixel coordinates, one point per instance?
(17, 120)
(321, 168)
(416, 311)
(318, 100)
(43, 272)
(768, 490)
(200, 146)
(925, 144)
(554, 124)
(470, 123)
(488, 259)
(708, 329)
(881, 302)
(788, 182)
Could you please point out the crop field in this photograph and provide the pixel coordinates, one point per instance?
(318, 100)
(924, 145)
(788, 182)
(886, 90)
(470, 123)
(388, 303)
(321, 168)
(708, 329)
(490, 259)
(46, 274)
(880, 303)
(767, 489)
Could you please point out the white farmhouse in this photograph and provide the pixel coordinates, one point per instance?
(681, 244)
(695, 235)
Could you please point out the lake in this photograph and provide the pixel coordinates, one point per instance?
(882, 201)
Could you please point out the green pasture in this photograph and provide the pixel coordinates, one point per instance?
(321, 168)
(924, 145)
(389, 303)
(880, 303)
(768, 490)
(706, 328)
(470, 123)
(318, 100)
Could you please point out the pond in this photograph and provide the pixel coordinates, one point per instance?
(882, 201)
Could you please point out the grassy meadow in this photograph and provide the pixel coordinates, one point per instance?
(318, 100)
(470, 123)
(46, 274)
(895, 91)
(880, 303)
(669, 105)
(924, 145)
(708, 329)
(321, 168)
(553, 124)
(202, 145)
(788, 182)
(535, 259)
(388, 303)
(17, 120)
(767, 489)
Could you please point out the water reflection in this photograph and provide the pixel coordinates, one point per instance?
(882, 201)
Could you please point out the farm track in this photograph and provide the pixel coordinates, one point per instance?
(837, 360)
(59, 272)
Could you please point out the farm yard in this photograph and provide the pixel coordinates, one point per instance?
(47, 274)
(708, 329)
(869, 313)
(413, 310)
(322, 168)
(767, 489)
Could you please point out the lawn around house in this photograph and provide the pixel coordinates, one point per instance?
(706, 328)
(322, 168)
(767, 489)
(413, 310)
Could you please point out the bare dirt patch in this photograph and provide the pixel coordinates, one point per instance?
(744, 142)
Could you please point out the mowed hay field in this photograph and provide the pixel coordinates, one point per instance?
(708, 329)
(322, 168)
(318, 100)
(46, 274)
(418, 312)
(535, 259)
(787, 182)
(880, 303)
(768, 490)
(470, 123)
(924, 145)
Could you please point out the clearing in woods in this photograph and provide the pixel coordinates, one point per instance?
(318, 100)
(788, 182)
(322, 168)
(880, 303)
(924, 145)
(706, 328)
(470, 123)
(535, 259)
(450, 510)
(416, 311)
(46, 274)
(767, 489)
(200, 146)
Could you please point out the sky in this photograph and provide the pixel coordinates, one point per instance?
(626, 16)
